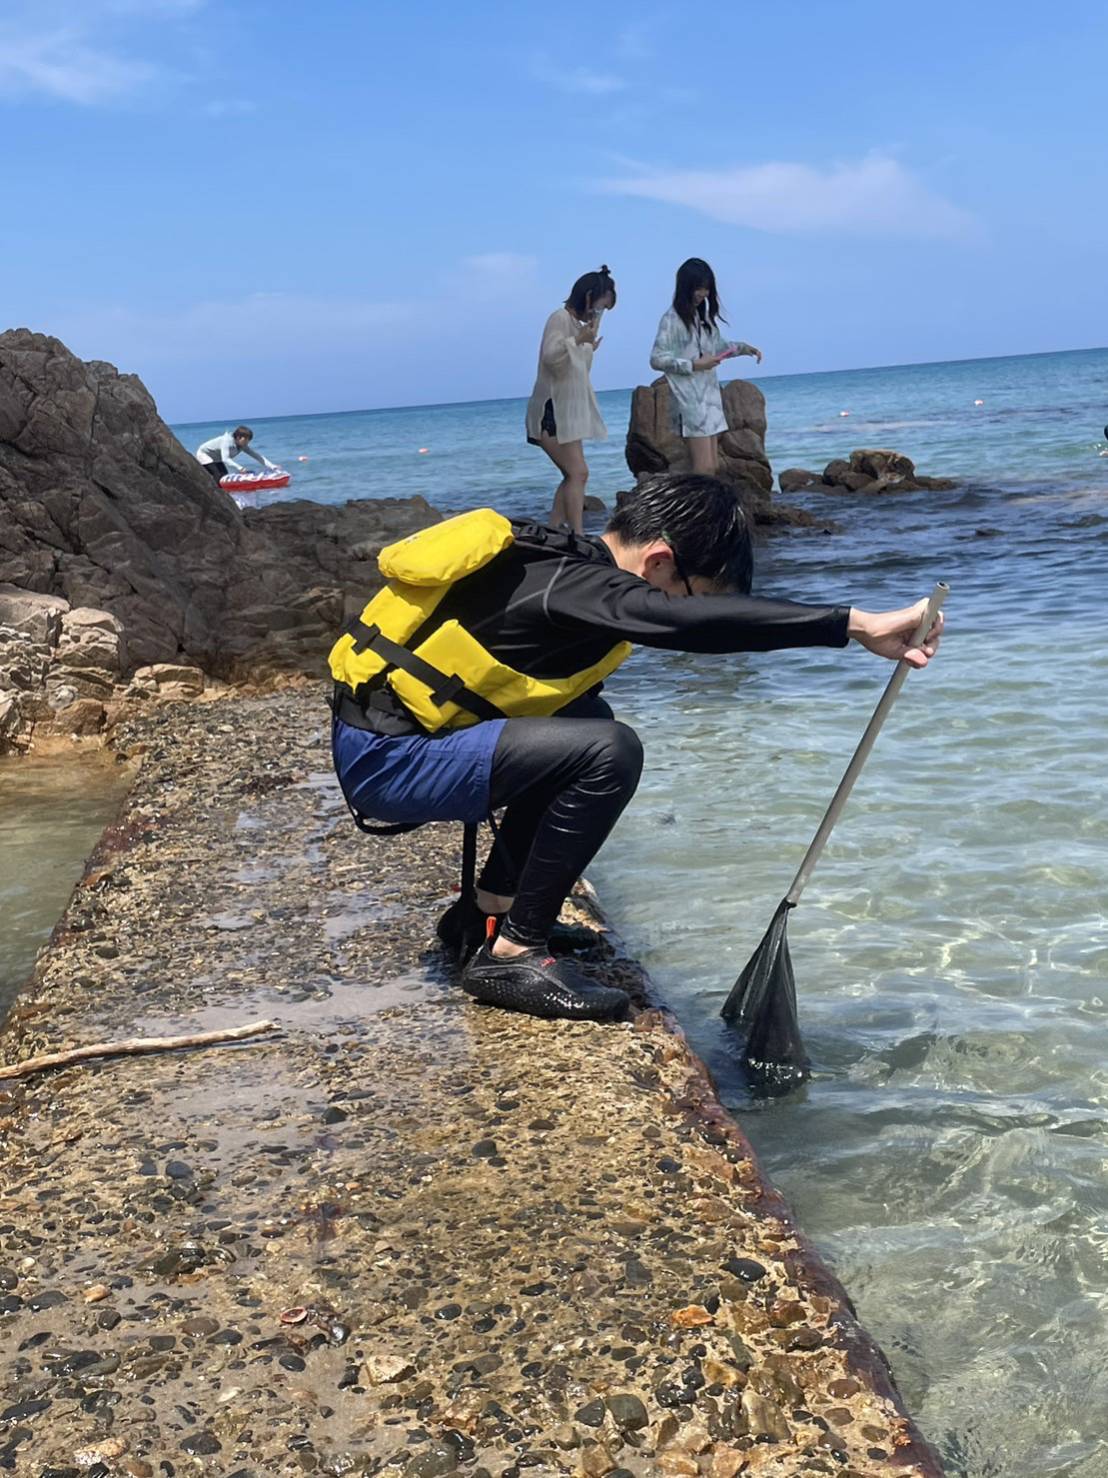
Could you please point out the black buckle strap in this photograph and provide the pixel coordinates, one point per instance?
(444, 689)
(364, 636)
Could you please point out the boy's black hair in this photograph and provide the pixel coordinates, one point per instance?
(243, 431)
(699, 517)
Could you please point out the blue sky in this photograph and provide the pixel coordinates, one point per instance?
(267, 208)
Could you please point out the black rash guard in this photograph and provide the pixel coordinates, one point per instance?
(551, 605)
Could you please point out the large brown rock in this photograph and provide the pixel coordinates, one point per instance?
(793, 479)
(878, 470)
(653, 444)
(101, 507)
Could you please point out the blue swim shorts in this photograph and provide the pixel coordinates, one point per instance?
(417, 777)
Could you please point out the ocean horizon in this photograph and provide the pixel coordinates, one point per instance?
(628, 389)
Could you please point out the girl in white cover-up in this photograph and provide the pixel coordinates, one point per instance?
(687, 348)
(562, 411)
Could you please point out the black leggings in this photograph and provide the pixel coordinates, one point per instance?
(565, 782)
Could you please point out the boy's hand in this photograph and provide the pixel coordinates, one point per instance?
(888, 633)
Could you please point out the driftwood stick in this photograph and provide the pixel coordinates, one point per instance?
(133, 1046)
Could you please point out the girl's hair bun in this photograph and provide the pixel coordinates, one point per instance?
(604, 271)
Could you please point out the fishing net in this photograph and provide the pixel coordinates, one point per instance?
(762, 1006)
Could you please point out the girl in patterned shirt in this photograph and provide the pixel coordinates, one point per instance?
(687, 348)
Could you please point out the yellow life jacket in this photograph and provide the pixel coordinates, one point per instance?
(450, 680)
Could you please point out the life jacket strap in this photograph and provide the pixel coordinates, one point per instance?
(444, 689)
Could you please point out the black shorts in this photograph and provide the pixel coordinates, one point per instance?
(215, 469)
(547, 423)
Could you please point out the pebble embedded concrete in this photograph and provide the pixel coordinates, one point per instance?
(411, 1235)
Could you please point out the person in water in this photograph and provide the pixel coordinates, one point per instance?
(217, 455)
(688, 348)
(471, 683)
(562, 411)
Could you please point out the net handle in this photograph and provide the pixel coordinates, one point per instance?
(865, 744)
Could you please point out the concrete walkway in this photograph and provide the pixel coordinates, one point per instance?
(407, 1235)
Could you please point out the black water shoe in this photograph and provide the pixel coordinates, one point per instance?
(540, 985)
(463, 929)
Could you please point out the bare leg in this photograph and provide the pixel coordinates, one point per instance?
(569, 499)
(704, 454)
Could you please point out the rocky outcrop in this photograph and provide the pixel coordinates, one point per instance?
(868, 470)
(654, 445)
(118, 552)
(60, 668)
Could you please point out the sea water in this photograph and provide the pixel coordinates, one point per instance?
(951, 951)
(52, 811)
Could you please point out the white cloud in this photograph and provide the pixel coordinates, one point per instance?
(79, 51)
(580, 79)
(61, 65)
(495, 277)
(501, 264)
(874, 197)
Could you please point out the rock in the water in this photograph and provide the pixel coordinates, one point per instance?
(835, 470)
(654, 445)
(878, 470)
(792, 479)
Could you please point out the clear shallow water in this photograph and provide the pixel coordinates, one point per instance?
(51, 815)
(951, 1155)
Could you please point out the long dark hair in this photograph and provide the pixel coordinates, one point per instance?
(693, 274)
(585, 291)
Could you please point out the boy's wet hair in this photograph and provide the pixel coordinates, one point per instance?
(700, 517)
(243, 431)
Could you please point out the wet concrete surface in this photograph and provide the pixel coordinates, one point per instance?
(409, 1235)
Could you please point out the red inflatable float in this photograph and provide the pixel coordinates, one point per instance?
(255, 482)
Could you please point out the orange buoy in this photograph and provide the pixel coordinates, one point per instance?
(424, 450)
(302, 459)
(979, 402)
(844, 413)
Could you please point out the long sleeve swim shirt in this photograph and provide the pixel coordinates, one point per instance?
(548, 613)
(223, 449)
